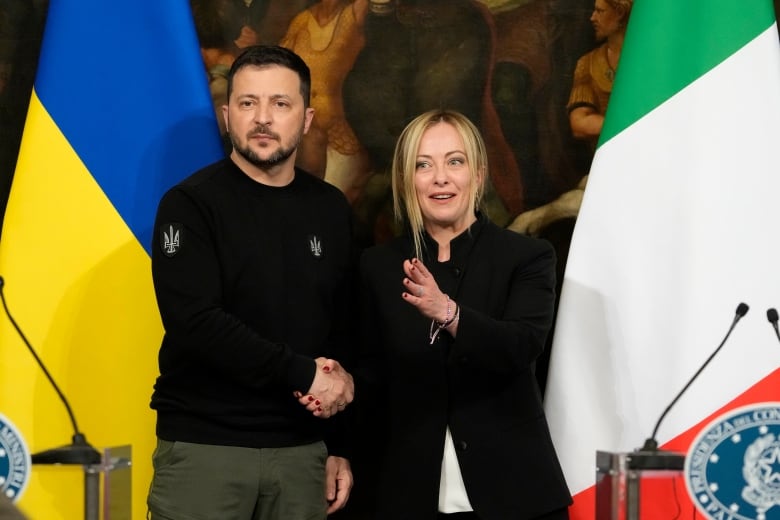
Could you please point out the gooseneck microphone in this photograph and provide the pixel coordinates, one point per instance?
(771, 315)
(79, 451)
(651, 444)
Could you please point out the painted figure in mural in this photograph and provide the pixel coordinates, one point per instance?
(328, 36)
(537, 44)
(595, 71)
(419, 55)
(264, 21)
(252, 276)
(455, 311)
(224, 28)
(592, 86)
(216, 23)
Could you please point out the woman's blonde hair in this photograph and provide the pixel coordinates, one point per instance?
(405, 203)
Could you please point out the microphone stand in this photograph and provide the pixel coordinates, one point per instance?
(650, 457)
(772, 316)
(79, 451)
(619, 474)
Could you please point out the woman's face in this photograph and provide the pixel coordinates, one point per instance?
(443, 179)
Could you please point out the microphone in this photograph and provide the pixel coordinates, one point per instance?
(771, 315)
(79, 451)
(651, 444)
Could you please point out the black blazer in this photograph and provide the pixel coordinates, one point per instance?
(481, 384)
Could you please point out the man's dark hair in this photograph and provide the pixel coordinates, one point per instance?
(265, 55)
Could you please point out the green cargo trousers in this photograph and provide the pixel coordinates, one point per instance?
(205, 482)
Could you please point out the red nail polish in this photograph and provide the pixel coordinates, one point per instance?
(311, 399)
(319, 409)
(317, 403)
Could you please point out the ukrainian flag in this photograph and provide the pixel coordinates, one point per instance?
(120, 111)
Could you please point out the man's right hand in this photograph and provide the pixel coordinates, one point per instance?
(331, 391)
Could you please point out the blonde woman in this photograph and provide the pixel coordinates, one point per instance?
(456, 311)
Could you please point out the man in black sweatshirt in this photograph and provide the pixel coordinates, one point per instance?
(252, 275)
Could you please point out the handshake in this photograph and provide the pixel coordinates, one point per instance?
(331, 391)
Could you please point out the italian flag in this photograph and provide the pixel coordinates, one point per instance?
(679, 224)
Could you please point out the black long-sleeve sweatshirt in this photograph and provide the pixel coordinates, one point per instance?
(252, 283)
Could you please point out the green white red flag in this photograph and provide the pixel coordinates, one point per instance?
(679, 224)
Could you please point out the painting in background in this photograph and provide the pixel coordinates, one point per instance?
(506, 64)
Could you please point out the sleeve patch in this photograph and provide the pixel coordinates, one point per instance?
(171, 236)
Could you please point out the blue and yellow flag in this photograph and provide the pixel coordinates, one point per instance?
(120, 111)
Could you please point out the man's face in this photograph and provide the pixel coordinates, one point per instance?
(605, 20)
(265, 115)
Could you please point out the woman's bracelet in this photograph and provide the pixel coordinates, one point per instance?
(455, 317)
(437, 326)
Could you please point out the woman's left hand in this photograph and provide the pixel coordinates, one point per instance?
(423, 292)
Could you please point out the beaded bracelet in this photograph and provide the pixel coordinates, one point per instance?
(454, 318)
(447, 316)
(437, 326)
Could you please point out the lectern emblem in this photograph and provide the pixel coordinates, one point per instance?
(732, 470)
(14, 460)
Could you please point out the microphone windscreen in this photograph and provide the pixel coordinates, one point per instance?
(742, 309)
(771, 315)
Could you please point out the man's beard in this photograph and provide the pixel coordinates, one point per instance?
(278, 157)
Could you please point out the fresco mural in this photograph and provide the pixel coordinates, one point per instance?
(507, 64)
(377, 63)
